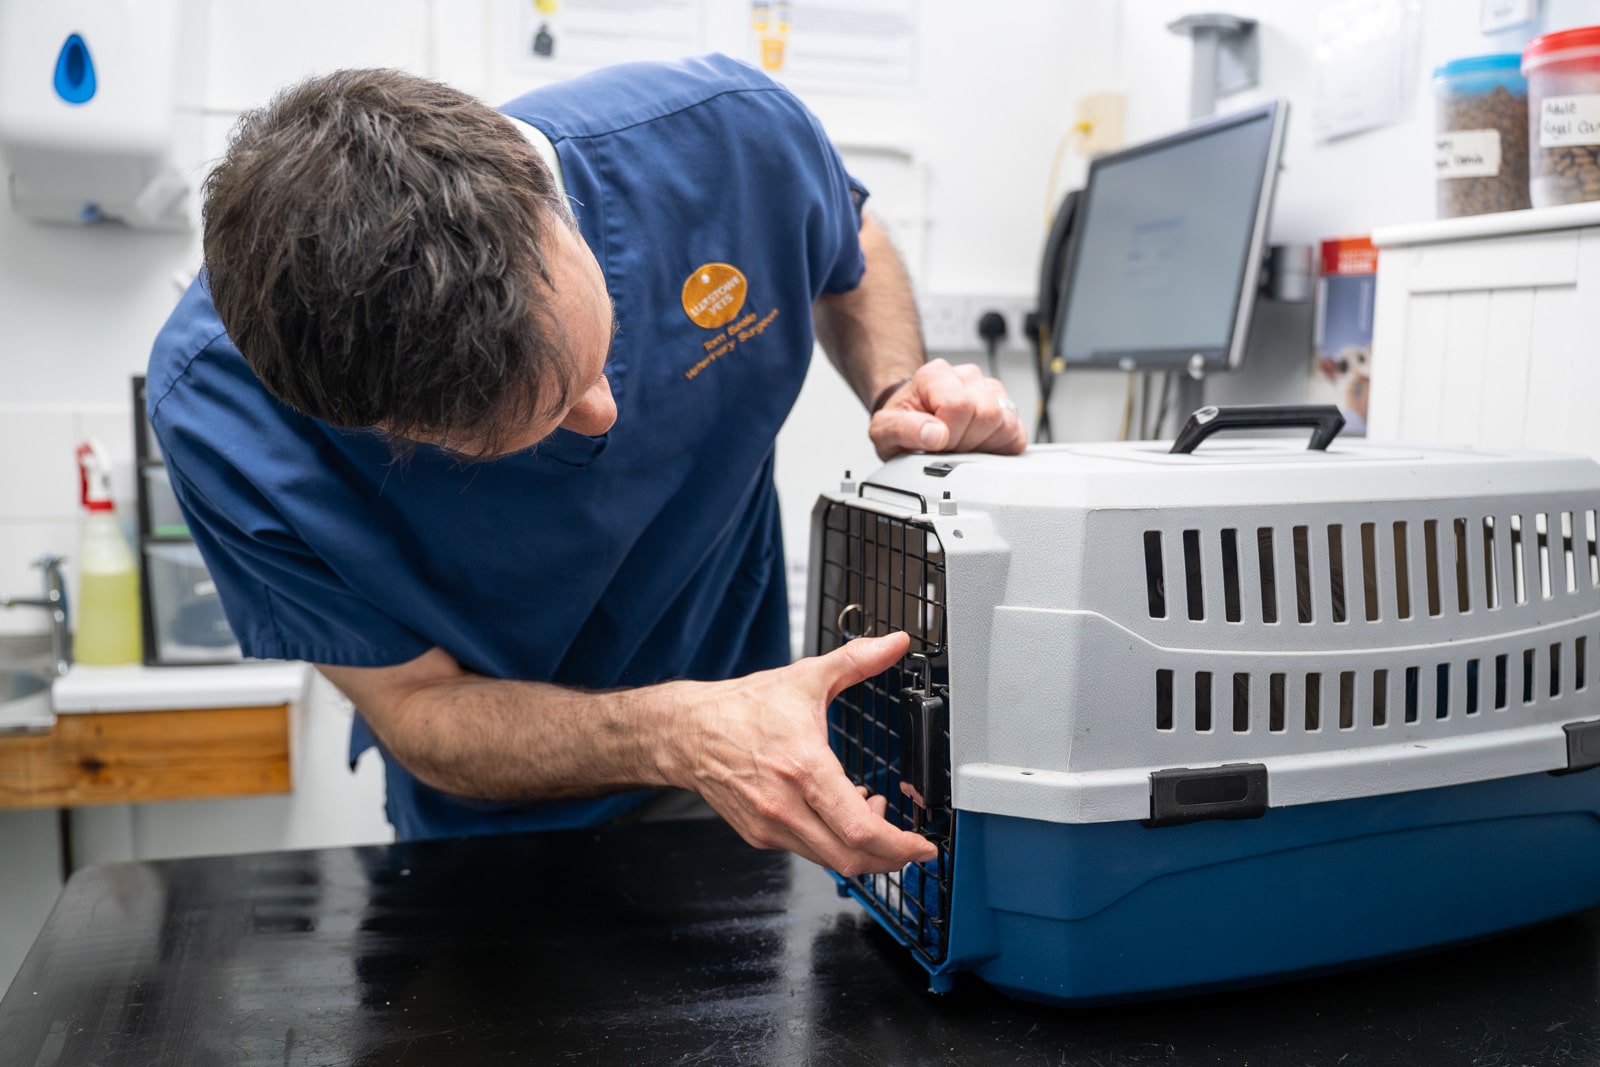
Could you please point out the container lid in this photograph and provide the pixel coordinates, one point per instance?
(1500, 61)
(1563, 44)
(1472, 75)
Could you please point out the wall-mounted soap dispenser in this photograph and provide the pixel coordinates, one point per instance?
(95, 98)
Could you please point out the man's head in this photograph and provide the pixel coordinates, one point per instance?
(390, 253)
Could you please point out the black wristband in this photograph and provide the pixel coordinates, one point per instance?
(888, 391)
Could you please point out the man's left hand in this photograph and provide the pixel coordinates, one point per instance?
(945, 408)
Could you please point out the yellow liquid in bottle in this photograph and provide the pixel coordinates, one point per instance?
(108, 629)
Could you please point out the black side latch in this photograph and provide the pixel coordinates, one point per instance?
(924, 741)
(1232, 791)
(1583, 746)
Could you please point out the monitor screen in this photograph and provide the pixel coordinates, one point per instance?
(1166, 253)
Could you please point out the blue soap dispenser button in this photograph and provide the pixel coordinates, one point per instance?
(75, 82)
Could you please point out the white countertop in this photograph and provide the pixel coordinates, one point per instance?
(257, 684)
(1497, 224)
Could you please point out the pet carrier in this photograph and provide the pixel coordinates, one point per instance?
(1181, 719)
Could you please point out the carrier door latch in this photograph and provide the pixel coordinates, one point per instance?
(924, 739)
(1183, 794)
(1583, 746)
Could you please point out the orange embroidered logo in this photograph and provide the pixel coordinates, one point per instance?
(713, 294)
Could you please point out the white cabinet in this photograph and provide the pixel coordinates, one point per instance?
(1487, 331)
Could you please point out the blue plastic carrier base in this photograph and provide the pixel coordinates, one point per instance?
(1083, 913)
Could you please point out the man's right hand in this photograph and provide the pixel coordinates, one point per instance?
(756, 748)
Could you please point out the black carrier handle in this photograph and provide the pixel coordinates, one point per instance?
(1184, 794)
(1324, 419)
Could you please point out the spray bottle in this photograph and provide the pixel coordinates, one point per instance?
(108, 578)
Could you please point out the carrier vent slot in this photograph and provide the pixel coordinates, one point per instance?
(1241, 703)
(1163, 700)
(1402, 573)
(1269, 588)
(1441, 691)
(1568, 556)
(1230, 575)
(1541, 529)
(1369, 570)
(1155, 583)
(1580, 664)
(1336, 570)
(1463, 571)
(1275, 700)
(1380, 698)
(1491, 569)
(1202, 701)
(1192, 577)
(1519, 585)
(1347, 700)
(1302, 571)
(1502, 668)
(1593, 548)
(1472, 687)
(1313, 703)
(1412, 677)
(1527, 676)
(1430, 555)
(1555, 670)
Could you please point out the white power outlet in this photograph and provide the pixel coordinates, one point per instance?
(950, 321)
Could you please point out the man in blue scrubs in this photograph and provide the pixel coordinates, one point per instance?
(475, 411)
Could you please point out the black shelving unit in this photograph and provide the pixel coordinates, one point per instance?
(171, 572)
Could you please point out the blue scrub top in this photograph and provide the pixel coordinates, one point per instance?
(648, 554)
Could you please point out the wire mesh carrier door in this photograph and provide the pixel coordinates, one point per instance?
(880, 574)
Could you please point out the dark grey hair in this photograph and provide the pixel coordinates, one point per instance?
(372, 245)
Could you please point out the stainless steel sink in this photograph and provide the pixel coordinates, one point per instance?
(26, 671)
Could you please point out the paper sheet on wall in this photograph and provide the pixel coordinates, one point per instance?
(558, 38)
(856, 47)
(1366, 55)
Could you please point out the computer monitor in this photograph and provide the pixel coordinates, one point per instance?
(1166, 248)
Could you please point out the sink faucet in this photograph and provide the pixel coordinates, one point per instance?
(54, 601)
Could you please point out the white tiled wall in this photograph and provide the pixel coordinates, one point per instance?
(40, 510)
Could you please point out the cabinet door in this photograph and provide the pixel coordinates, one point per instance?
(1485, 343)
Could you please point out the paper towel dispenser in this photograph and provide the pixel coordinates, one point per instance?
(95, 97)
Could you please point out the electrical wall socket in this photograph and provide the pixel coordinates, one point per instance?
(1100, 117)
(950, 321)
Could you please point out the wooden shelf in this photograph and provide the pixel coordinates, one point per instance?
(129, 757)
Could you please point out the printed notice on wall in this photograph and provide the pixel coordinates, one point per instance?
(557, 38)
(1367, 58)
(837, 46)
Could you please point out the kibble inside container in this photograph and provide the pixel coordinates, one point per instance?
(1481, 129)
(1563, 72)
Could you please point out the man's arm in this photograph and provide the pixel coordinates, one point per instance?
(756, 748)
(871, 334)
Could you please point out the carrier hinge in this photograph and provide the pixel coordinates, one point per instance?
(1184, 794)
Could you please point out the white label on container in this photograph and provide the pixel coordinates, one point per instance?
(1468, 154)
(1566, 120)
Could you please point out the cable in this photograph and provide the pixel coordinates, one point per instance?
(1161, 407)
(992, 328)
(1072, 134)
(1127, 411)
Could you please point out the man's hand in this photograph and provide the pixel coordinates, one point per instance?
(759, 755)
(944, 408)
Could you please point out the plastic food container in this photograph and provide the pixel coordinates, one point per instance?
(1481, 108)
(1563, 72)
